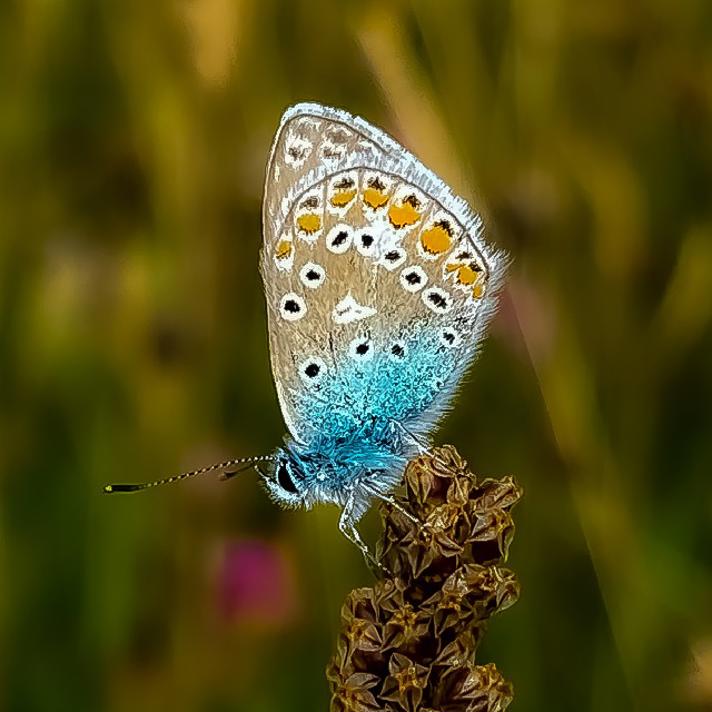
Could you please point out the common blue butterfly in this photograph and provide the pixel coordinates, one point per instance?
(379, 287)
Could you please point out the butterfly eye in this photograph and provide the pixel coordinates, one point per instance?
(285, 479)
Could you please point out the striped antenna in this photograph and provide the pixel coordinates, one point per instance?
(242, 463)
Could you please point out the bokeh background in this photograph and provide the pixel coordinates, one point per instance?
(133, 141)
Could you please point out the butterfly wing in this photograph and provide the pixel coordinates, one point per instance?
(378, 282)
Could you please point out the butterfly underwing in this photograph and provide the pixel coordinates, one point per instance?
(379, 287)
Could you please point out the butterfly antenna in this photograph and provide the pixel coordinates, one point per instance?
(241, 463)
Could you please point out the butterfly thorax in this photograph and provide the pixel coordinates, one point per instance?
(332, 470)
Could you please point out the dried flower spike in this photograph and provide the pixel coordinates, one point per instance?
(408, 643)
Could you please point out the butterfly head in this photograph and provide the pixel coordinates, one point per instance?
(285, 481)
(301, 476)
(301, 479)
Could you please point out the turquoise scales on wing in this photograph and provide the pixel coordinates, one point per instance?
(379, 287)
(368, 416)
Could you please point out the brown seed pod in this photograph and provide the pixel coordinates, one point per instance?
(408, 642)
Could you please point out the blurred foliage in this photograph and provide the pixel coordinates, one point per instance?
(133, 141)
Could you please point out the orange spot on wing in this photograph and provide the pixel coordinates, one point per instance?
(402, 215)
(466, 275)
(284, 249)
(435, 240)
(374, 198)
(342, 198)
(309, 222)
(478, 291)
(452, 266)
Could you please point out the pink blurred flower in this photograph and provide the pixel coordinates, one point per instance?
(256, 584)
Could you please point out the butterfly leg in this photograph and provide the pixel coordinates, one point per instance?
(348, 529)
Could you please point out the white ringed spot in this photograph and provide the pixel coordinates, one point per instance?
(296, 151)
(333, 150)
(339, 239)
(450, 338)
(292, 307)
(437, 300)
(413, 278)
(393, 258)
(312, 275)
(366, 242)
(312, 370)
(361, 349)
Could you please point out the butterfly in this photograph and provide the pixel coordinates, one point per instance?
(379, 287)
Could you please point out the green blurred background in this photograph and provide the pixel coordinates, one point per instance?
(133, 142)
